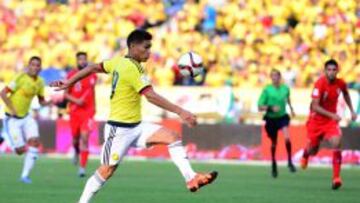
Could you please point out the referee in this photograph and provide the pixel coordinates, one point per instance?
(273, 101)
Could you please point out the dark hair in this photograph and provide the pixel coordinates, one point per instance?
(35, 58)
(138, 36)
(81, 53)
(331, 62)
(274, 70)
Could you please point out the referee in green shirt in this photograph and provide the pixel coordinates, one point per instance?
(273, 101)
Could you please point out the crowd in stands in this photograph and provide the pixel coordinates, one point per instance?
(239, 40)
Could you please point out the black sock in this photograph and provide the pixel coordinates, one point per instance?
(77, 148)
(288, 150)
(273, 152)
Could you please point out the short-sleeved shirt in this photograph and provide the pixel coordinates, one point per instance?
(128, 81)
(275, 96)
(84, 89)
(23, 88)
(328, 94)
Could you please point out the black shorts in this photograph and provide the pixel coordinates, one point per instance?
(273, 125)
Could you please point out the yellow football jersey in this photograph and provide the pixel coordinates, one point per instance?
(23, 89)
(128, 80)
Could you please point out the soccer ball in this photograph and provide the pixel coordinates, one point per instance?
(190, 64)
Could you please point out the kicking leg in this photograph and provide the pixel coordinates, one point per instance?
(178, 155)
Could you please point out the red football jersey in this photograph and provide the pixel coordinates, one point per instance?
(85, 89)
(328, 94)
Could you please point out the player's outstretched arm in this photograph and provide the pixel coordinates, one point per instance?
(77, 101)
(315, 105)
(347, 99)
(64, 84)
(158, 100)
(7, 101)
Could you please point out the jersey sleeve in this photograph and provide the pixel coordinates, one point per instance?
(108, 65)
(317, 91)
(263, 98)
(13, 85)
(343, 86)
(137, 80)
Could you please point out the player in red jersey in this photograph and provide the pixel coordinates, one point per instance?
(323, 119)
(81, 97)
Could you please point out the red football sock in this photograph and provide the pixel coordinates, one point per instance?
(84, 158)
(336, 163)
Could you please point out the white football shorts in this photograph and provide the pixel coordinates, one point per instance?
(16, 131)
(119, 139)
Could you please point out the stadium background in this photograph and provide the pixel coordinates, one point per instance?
(240, 42)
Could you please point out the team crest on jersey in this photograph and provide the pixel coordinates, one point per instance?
(115, 157)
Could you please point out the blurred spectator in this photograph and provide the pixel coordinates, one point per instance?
(209, 20)
(289, 77)
(173, 6)
(228, 105)
(356, 86)
(246, 37)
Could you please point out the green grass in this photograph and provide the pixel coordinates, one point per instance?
(55, 180)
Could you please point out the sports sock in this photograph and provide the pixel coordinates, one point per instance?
(93, 185)
(336, 163)
(273, 152)
(29, 162)
(305, 154)
(84, 154)
(288, 150)
(179, 157)
(77, 148)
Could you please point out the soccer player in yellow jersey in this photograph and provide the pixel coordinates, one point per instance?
(124, 127)
(20, 129)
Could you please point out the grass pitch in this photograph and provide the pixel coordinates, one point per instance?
(56, 181)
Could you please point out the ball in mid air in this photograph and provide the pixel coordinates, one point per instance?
(190, 64)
